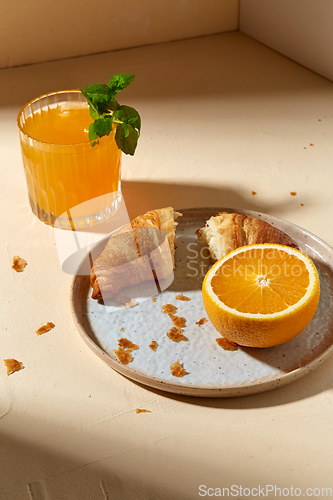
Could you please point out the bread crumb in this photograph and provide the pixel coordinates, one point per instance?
(226, 344)
(304, 147)
(13, 365)
(176, 369)
(154, 299)
(182, 297)
(254, 193)
(124, 356)
(175, 334)
(153, 345)
(19, 264)
(169, 308)
(311, 144)
(302, 204)
(127, 344)
(201, 321)
(177, 320)
(45, 328)
(293, 193)
(141, 410)
(123, 301)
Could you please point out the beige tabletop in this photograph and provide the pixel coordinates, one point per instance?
(223, 117)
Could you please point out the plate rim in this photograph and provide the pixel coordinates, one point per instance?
(249, 388)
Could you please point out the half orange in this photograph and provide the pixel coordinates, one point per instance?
(261, 295)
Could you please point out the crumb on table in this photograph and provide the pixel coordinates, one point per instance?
(293, 193)
(123, 355)
(169, 308)
(19, 264)
(201, 321)
(153, 345)
(254, 193)
(226, 344)
(176, 369)
(175, 334)
(13, 365)
(182, 297)
(154, 299)
(141, 410)
(45, 328)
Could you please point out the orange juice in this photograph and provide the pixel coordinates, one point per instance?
(67, 178)
(62, 124)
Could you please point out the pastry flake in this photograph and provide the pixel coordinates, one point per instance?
(178, 321)
(13, 365)
(141, 410)
(124, 301)
(201, 321)
(182, 297)
(226, 344)
(127, 344)
(177, 370)
(153, 345)
(123, 355)
(45, 328)
(19, 264)
(169, 308)
(175, 334)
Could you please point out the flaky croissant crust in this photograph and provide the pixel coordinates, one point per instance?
(225, 232)
(141, 250)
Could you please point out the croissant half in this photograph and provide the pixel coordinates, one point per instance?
(140, 251)
(227, 231)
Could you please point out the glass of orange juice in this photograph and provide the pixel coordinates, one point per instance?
(71, 184)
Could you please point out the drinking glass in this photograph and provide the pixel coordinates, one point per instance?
(72, 184)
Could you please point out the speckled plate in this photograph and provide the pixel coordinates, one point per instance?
(210, 370)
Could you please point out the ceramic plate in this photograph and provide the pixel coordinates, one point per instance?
(210, 370)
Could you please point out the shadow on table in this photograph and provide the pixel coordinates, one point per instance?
(309, 385)
(141, 196)
(121, 471)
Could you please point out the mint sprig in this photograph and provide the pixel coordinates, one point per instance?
(107, 112)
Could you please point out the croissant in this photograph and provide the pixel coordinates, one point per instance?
(140, 251)
(227, 231)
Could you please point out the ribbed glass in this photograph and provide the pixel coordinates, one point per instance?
(68, 183)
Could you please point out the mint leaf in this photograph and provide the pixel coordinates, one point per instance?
(97, 88)
(93, 137)
(99, 97)
(127, 139)
(106, 111)
(103, 125)
(100, 127)
(120, 82)
(129, 115)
